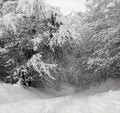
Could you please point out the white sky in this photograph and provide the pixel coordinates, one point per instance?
(67, 6)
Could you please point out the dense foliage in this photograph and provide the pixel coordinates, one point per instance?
(32, 38)
(40, 47)
(100, 38)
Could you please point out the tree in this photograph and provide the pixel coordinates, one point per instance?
(34, 35)
(100, 35)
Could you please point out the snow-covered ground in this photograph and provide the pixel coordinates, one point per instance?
(101, 99)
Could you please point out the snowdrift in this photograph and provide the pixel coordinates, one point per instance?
(101, 99)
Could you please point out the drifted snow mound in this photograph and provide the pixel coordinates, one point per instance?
(101, 99)
(15, 93)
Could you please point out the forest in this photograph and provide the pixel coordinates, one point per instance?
(42, 48)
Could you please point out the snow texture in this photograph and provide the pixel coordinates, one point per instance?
(101, 99)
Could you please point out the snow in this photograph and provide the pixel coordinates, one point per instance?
(104, 98)
(15, 93)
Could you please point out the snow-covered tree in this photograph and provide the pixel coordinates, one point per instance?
(30, 30)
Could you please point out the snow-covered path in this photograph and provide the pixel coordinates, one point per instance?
(102, 99)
